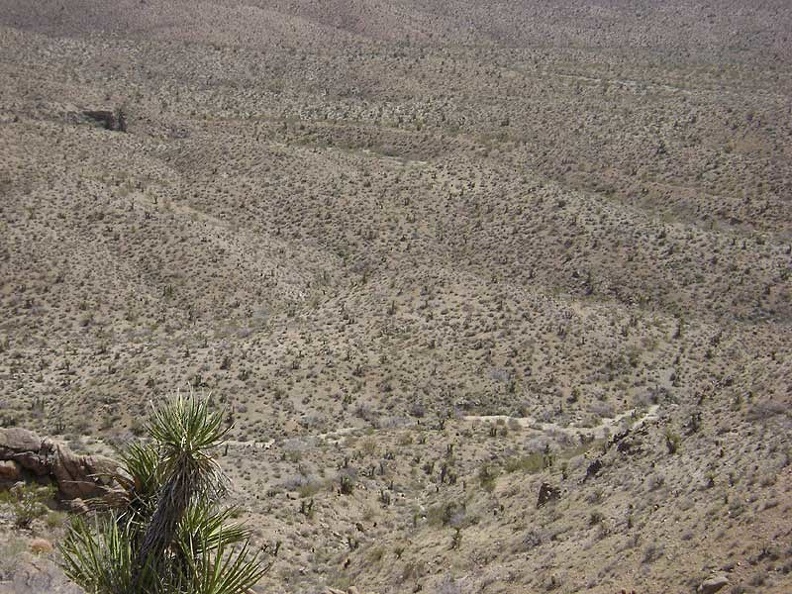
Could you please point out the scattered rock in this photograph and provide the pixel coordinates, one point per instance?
(619, 437)
(631, 445)
(547, 492)
(713, 584)
(77, 506)
(112, 120)
(593, 469)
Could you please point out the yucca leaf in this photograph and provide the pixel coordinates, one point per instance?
(163, 532)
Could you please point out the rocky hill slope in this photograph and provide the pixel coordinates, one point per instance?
(435, 261)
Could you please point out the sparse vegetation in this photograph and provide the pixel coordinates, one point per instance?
(28, 502)
(434, 261)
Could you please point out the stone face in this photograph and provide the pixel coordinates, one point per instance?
(26, 448)
(19, 440)
(9, 471)
(34, 572)
(713, 584)
(81, 476)
(77, 476)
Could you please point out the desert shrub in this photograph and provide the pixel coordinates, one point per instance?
(28, 502)
(672, 441)
(653, 552)
(534, 462)
(595, 517)
(447, 514)
(346, 483)
(487, 475)
(10, 551)
(405, 440)
(309, 489)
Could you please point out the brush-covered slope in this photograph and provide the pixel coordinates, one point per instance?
(371, 228)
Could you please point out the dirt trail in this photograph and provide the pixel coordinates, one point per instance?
(263, 445)
(605, 428)
(331, 437)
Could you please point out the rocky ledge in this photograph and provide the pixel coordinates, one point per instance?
(25, 455)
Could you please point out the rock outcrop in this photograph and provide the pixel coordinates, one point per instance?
(77, 476)
(547, 492)
(713, 584)
(593, 469)
(112, 120)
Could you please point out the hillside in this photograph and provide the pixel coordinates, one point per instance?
(430, 257)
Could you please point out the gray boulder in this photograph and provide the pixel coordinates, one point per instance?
(713, 584)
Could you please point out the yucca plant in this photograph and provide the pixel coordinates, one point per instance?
(164, 531)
